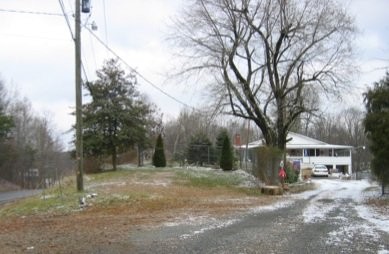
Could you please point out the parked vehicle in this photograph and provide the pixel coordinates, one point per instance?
(319, 170)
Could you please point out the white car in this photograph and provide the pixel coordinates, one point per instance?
(319, 170)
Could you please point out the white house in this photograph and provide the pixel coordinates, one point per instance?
(305, 152)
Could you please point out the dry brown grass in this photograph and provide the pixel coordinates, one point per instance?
(379, 204)
(125, 201)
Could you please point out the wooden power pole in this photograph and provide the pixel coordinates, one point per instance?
(79, 143)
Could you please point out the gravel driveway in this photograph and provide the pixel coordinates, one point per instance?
(331, 219)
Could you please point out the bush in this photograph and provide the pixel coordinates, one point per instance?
(200, 150)
(291, 175)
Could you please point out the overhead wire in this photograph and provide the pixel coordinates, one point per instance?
(67, 19)
(31, 12)
(93, 50)
(105, 45)
(105, 23)
(133, 70)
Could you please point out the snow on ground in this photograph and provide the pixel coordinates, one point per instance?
(329, 195)
(336, 194)
(210, 225)
(381, 221)
(321, 204)
(339, 190)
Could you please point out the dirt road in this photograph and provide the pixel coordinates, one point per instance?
(332, 219)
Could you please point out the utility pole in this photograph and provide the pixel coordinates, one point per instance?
(79, 143)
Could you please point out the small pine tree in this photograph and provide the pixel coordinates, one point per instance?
(226, 158)
(159, 159)
(219, 143)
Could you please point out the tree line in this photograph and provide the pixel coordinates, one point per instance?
(267, 63)
(31, 153)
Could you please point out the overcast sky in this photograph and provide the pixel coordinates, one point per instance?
(37, 52)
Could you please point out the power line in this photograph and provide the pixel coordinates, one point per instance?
(105, 23)
(31, 12)
(116, 55)
(66, 18)
(136, 72)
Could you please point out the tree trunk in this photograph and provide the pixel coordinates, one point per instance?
(114, 158)
(140, 156)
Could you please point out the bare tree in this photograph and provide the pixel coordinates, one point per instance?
(32, 152)
(266, 55)
(179, 131)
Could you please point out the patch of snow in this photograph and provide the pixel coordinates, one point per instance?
(333, 191)
(272, 207)
(382, 250)
(248, 180)
(201, 224)
(379, 220)
(216, 224)
(345, 235)
(153, 183)
(317, 211)
(187, 220)
(104, 184)
(48, 196)
(201, 169)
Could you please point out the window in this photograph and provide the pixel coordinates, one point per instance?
(342, 152)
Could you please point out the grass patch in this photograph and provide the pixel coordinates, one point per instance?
(255, 192)
(109, 175)
(207, 179)
(57, 199)
(301, 187)
(121, 198)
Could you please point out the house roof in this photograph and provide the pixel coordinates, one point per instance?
(298, 141)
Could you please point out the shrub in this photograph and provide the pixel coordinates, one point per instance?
(226, 157)
(200, 150)
(291, 175)
(159, 159)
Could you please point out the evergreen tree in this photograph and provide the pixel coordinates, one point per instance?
(223, 133)
(6, 124)
(117, 117)
(227, 157)
(6, 121)
(377, 128)
(200, 150)
(159, 159)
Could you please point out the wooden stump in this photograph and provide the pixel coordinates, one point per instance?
(272, 190)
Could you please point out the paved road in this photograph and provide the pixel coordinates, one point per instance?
(12, 195)
(332, 219)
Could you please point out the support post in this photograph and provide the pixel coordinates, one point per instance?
(79, 143)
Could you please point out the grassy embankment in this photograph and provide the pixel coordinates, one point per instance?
(138, 190)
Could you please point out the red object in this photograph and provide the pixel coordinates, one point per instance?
(282, 173)
(237, 140)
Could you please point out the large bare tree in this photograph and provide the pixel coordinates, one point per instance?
(266, 56)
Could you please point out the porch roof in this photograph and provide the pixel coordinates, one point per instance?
(298, 141)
